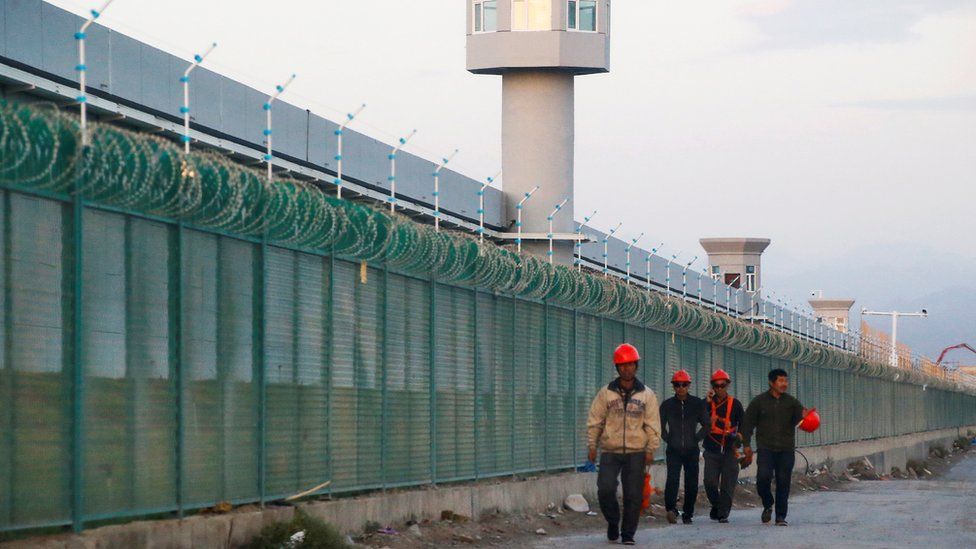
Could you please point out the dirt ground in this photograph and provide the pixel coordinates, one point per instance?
(520, 530)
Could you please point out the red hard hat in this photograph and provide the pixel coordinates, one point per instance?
(681, 375)
(811, 421)
(625, 354)
(721, 375)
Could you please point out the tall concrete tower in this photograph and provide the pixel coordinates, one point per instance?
(539, 47)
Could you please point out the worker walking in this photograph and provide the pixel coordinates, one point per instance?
(623, 424)
(684, 423)
(774, 415)
(720, 447)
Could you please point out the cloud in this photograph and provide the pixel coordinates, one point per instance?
(950, 103)
(763, 8)
(805, 24)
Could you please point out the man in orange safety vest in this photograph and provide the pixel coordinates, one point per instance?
(720, 447)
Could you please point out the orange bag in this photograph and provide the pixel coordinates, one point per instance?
(648, 490)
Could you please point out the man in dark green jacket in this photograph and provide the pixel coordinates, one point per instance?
(773, 415)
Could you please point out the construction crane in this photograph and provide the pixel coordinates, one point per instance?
(947, 349)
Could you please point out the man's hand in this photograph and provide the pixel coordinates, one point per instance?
(592, 455)
(747, 460)
(709, 395)
(648, 458)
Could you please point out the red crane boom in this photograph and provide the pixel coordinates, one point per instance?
(947, 349)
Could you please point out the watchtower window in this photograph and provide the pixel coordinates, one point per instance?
(750, 278)
(531, 15)
(582, 15)
(486, 16)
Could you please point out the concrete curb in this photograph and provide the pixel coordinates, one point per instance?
(472, 500)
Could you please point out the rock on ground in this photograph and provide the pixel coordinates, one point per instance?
(577, 503)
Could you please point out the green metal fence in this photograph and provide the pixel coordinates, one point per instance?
(152, 366)
(213, 368)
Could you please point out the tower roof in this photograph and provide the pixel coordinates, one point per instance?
(734, 245)
(823, 303)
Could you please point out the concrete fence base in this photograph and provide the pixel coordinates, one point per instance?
(472, 500)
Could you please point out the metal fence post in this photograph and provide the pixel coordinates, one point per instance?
(330, 362)
(512, 382)
(545, 386)
(260, 275)
(76, 357)
(176, 354)
(384, 377)
(134, 394)
(598, 380)
(10, 386)
(221, 380)
(574, 390)
(474, 416)
(295, 379)
(432, 381)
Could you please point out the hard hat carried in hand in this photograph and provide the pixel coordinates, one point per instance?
(720, 375)
(681, 376)
(811, 421)
(625, 354)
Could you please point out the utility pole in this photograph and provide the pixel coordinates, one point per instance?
(894, 327)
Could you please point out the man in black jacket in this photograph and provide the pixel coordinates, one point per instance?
(683, 425)
(774, 416)
(721, 457)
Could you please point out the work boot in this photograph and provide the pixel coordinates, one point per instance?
(685, 519)
(782, 522)
(713, 514)
(767, 514)
(613, 532)
(628, 541)
(672, 516)
(723, 520)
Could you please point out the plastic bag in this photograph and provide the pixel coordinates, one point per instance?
(648, 490)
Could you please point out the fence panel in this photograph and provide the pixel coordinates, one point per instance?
(219, 369)
(36, 389)
(530, 395)
(558, 389)
(454, 341)
(407, 452)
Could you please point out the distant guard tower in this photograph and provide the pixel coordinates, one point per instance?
(539, 47)
(832, 312)
(736, 261)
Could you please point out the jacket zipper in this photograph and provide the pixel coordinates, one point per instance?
(682, 426)
(626, 401)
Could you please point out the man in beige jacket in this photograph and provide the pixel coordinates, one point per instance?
(624, 424)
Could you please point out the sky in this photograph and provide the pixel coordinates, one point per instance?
(834, 127)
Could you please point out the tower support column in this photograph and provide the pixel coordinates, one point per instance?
(537, 149)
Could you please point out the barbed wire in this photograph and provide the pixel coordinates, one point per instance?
(40, 149)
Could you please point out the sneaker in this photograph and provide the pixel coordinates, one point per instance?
(613, 532)
(686, 520)
(723, 520)
(767, 514)
(628, 541)
(713, 514)
(782, 522)
(672, 517)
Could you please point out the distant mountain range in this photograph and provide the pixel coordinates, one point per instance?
(904, 277)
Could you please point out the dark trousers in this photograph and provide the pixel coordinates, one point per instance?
(630, 469)
(721, 475)
(676, 461)
(780, 465)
